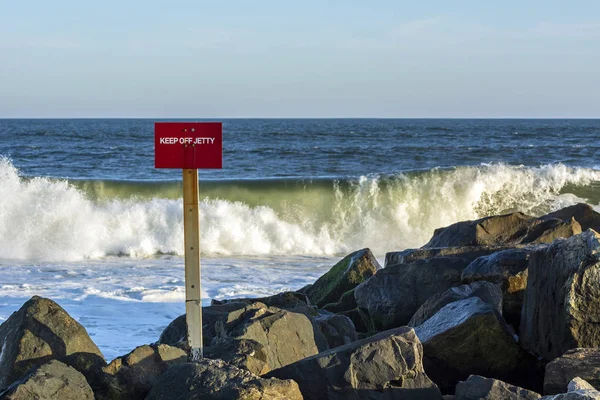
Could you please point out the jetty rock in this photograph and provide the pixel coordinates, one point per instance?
(488, 292)
(480, 388)
(217, 380)
(469, 337)
(561, 309)
(583, 213)
(578, 389)
(509, 229)
(348, 273)
(394, 294)
(41, 331)
(257, 337)
(387, 365)
(130, 377)
(50, 381)
(580, 362)
(508, 269)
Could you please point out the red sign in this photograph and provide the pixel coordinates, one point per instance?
(188, 145)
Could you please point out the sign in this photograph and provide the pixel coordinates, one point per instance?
(188, 145)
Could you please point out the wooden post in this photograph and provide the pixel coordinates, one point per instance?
(193, 292)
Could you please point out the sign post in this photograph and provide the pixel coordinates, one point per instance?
(189, 146)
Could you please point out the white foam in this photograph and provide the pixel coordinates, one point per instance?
(41, 219)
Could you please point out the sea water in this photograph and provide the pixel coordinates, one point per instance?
(87, 221)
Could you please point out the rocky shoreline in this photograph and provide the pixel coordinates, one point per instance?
(504, 307)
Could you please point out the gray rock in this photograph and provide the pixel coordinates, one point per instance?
(583, 213)
(50, 381)
(216, 380)
(468, 253)
(488, 292)
(507, 268)
(338, 329)
(346, 303)
(561, 310)
(132, 376)
(578, 389)
(385, 366)
(583, 363)
(468, 337)
(285, 336)
(291, 301)
(508, 229)
(394, 294)
(253, 336)
(480, 388)
(361, 319)
(352, 270)
(41, 331)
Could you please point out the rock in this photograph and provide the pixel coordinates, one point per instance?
(488, 292)
(285, 336)
(583, 213)
(338, 329)
(41, 331)
(53, 380)
(508, 229)
(387, 364)
(252, 336)
(583, 363)
(361, 319)
(216, 380)
(579, 384)
(133, 375)
(468, 337)
(468, 253)
(578, 389)
(394, 294)
(561, 310)
(291, 301)
(175, 334)
(346, 303)
(352, 270)
(507, 268)
(477, 387)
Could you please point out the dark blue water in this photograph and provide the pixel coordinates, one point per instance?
(122, 149)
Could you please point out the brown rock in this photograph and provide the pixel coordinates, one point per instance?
(583, 363)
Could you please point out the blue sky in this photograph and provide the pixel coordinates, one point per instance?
(202, 59)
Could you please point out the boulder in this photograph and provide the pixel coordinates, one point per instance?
(385, 366)
(394, 294)
(133, 375)
(291, 301)
(468, 253)
(583, 213)
(480, 388)
(468, 337)
(488, 292)
(508, 269)
(583, 363)
(361, 319)
(41, 331)
(253, 336)
(216, 380)
(175, 334)
(352, 270)
(285, 336)
(509, 229)
(561, 309)
(50, 381)
(346, 303)
(337, 329)
(578, 389)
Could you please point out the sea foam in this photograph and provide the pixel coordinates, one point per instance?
(52, 220)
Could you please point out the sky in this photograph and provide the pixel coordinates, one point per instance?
(310, 58)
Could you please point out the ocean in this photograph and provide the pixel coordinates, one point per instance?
(87, 221)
